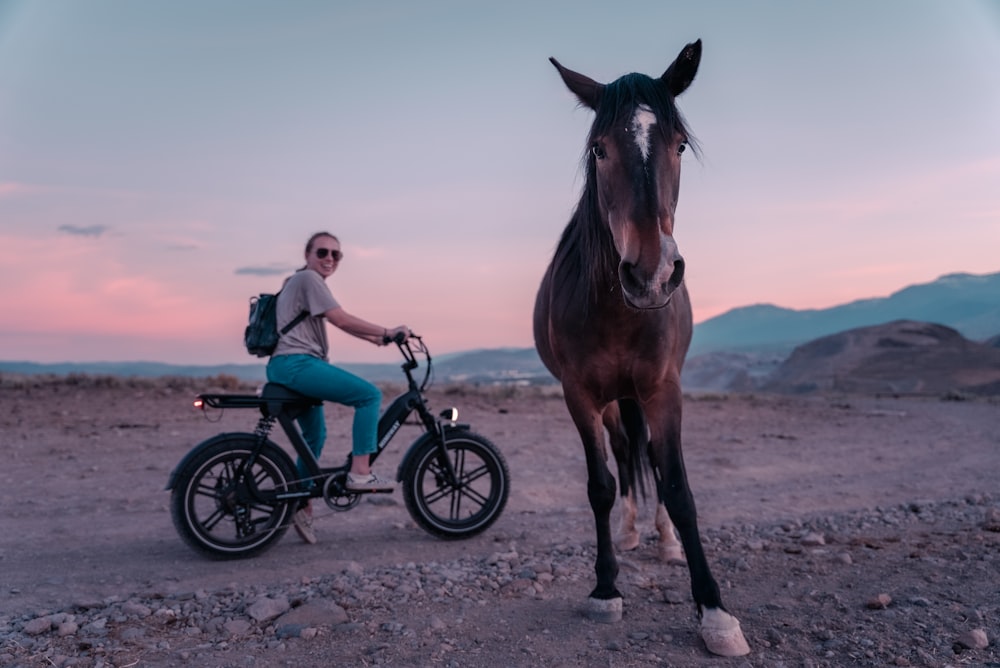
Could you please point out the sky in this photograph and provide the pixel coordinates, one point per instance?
(162, 162)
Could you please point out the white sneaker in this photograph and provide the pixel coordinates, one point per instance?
(369, 483)
(302, 521)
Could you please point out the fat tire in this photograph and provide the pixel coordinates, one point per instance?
(449, 511)
(206, 499)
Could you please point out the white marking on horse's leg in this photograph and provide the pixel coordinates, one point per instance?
(628, 536)
(669, 547)
(722, 634)
(642, 124)
(605, 610)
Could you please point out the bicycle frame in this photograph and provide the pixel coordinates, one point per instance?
(280, 404)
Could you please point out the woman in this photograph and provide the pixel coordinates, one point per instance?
(300, 362)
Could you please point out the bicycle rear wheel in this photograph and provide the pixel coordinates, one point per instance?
(462, 507)
(226, 510)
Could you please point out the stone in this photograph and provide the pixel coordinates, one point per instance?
(38, 626)
(315, 613)
(266, 608)
(880, 602)
(237, 627)
(974, 639)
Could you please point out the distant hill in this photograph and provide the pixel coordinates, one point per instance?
(967, 303)
(901, 357)
(736, 351)
(503, 365)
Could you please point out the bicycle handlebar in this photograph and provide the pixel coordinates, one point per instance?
(398, 339)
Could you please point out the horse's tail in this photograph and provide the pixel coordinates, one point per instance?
(636, 464)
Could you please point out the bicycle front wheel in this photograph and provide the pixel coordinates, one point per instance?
(225, 508)
(462, 506)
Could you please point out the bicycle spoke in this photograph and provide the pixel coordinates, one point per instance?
(213, 519)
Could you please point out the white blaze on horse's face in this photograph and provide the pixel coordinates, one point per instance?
(642, 124)
(639, 202)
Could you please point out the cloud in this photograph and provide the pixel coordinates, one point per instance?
(88, 231)
(11, 188)
(273, 270)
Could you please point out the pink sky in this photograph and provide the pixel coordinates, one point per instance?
(160, 164)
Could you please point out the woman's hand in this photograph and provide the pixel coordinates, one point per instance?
(401, 333)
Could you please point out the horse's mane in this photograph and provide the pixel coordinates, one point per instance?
(586, 249)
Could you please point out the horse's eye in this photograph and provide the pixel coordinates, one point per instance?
(598, 152)
(682, 147)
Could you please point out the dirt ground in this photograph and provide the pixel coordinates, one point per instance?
(811, 507)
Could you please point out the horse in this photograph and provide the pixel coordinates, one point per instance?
(612, 322)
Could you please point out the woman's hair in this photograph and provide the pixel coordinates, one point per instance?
(312, 240)
(318, 235)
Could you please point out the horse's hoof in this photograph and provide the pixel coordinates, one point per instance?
(672, 554)
(722, 634)
(628, 541)
(605, 610)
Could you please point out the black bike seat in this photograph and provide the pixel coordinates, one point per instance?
(277, 392)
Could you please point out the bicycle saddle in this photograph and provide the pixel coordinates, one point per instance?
(279, 398)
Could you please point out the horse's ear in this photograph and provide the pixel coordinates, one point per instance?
(681, 72)
(586, 89)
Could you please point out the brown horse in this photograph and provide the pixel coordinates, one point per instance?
(613, 323)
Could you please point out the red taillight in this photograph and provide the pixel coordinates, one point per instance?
(199, 403)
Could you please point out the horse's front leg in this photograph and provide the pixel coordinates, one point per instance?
(605, 602)
(720, 631)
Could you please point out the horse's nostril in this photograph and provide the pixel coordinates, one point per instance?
(630, 281)
(678, 276)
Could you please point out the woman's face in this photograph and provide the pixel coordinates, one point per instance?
(324, 256)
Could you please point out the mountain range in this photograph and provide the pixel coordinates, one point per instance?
(736, 350)
(967, 303)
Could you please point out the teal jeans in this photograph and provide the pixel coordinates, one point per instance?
(318, 378)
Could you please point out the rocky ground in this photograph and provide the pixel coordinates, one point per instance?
(843, 530)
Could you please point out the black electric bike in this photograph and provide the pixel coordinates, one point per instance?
(234, 495)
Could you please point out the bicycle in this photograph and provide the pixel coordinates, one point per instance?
(233, 495)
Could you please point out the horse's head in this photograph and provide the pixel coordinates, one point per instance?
(633, 171)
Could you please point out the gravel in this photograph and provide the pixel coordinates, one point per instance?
(913, 584)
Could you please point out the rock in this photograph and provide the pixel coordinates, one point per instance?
(813, 539)
(674, 597)
(315, 613)
(974, 639)
(136, 609)
(289, 631)
(880, 602)
(38, 626)
(992, 520)
(236, 627)
(266, 608)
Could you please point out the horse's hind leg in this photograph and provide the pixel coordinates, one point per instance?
(629, 435)
(668, 547)
(628, 535)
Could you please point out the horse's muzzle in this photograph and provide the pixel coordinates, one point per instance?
(652, 292)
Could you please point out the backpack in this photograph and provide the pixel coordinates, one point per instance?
(261, 335)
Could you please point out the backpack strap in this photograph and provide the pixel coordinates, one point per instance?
(299, 318)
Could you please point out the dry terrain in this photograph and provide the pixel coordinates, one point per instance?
(844, 531)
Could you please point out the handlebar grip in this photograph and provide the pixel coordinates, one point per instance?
(399, 338)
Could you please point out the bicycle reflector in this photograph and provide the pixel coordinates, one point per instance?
(450, 414)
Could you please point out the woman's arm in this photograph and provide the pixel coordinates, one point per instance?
(362, 329)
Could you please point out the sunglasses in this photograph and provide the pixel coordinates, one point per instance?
(323, 252)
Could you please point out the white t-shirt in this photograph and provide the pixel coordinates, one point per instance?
(305, 290)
